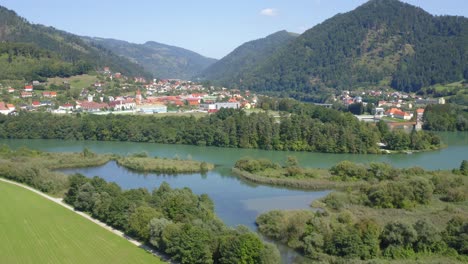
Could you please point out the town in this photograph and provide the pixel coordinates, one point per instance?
(111, 92)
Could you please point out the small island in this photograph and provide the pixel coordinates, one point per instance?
(142, 163)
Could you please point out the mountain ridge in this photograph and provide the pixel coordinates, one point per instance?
(230, 69)
(162, 60)
(382, 43)
(70, 48)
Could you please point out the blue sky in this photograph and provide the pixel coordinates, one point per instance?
(212, 28)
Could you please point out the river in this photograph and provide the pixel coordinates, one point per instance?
(237, 201)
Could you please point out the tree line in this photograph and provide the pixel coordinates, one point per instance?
(303, 128)
(446, 117)
(175, 221)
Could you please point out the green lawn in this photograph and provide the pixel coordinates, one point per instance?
(36, 230)
(78, 81)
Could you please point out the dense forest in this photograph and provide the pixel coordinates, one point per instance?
(445, 117)
(27, 61)
(303, 127)
(69, 48)
(381, 43)
(230, 69)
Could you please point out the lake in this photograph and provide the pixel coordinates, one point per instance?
(238, 202)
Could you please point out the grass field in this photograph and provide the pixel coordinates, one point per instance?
(36, 230)
(79, 81)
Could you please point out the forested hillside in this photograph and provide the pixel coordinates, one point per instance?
(68, 48)
(230, 70)
(381, 43)
(163, 61)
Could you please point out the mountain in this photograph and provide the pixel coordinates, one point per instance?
(66, 53)
(163, 61)
(231, 69)
(383, 43)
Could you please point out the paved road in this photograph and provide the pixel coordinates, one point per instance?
(103, 225)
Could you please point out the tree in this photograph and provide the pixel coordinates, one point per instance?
(398, 234)
(139, 222)
(464, 167)
(240, 248)
(429, 239)
(157, 226)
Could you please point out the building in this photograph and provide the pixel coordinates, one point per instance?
(152, 109)
(5, 109)
(49, 94)
(397, 113)
(28, 88)
(90, 106)
(26, 94)
(127, 104)
(430, 101)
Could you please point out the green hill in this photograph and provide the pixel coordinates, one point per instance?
(35, 230)
(230, 70)
(62, 48)
(381, 43)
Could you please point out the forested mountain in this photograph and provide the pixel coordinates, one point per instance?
(163, 61)
(231, 69)
(59, 47)
(381, 43)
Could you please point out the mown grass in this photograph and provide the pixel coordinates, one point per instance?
(160, 165)
(35, 230)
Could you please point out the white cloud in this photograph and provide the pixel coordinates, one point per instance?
(269, 12)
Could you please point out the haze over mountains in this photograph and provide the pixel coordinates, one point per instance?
(71, 54)
(163, 61)
(53, 52)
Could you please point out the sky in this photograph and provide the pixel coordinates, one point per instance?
(212, 28)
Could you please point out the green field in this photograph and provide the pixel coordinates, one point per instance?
(36, 230)
(79, 81)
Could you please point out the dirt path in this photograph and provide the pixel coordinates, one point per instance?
(103, 225)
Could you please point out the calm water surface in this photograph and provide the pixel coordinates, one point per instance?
(236, 201)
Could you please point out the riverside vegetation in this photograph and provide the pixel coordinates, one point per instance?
(392, 215)
(174, 221)
(300, 127)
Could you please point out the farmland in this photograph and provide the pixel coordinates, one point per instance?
(35, 230)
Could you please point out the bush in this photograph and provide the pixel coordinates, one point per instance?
(347, 170)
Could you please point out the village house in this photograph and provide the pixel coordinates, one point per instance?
(49, 94)
(26, 94)
(28, 88)
(11, 90)
(88, 106)
(152, 108)
(5, 109)
(397, 113)
(127, 104)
